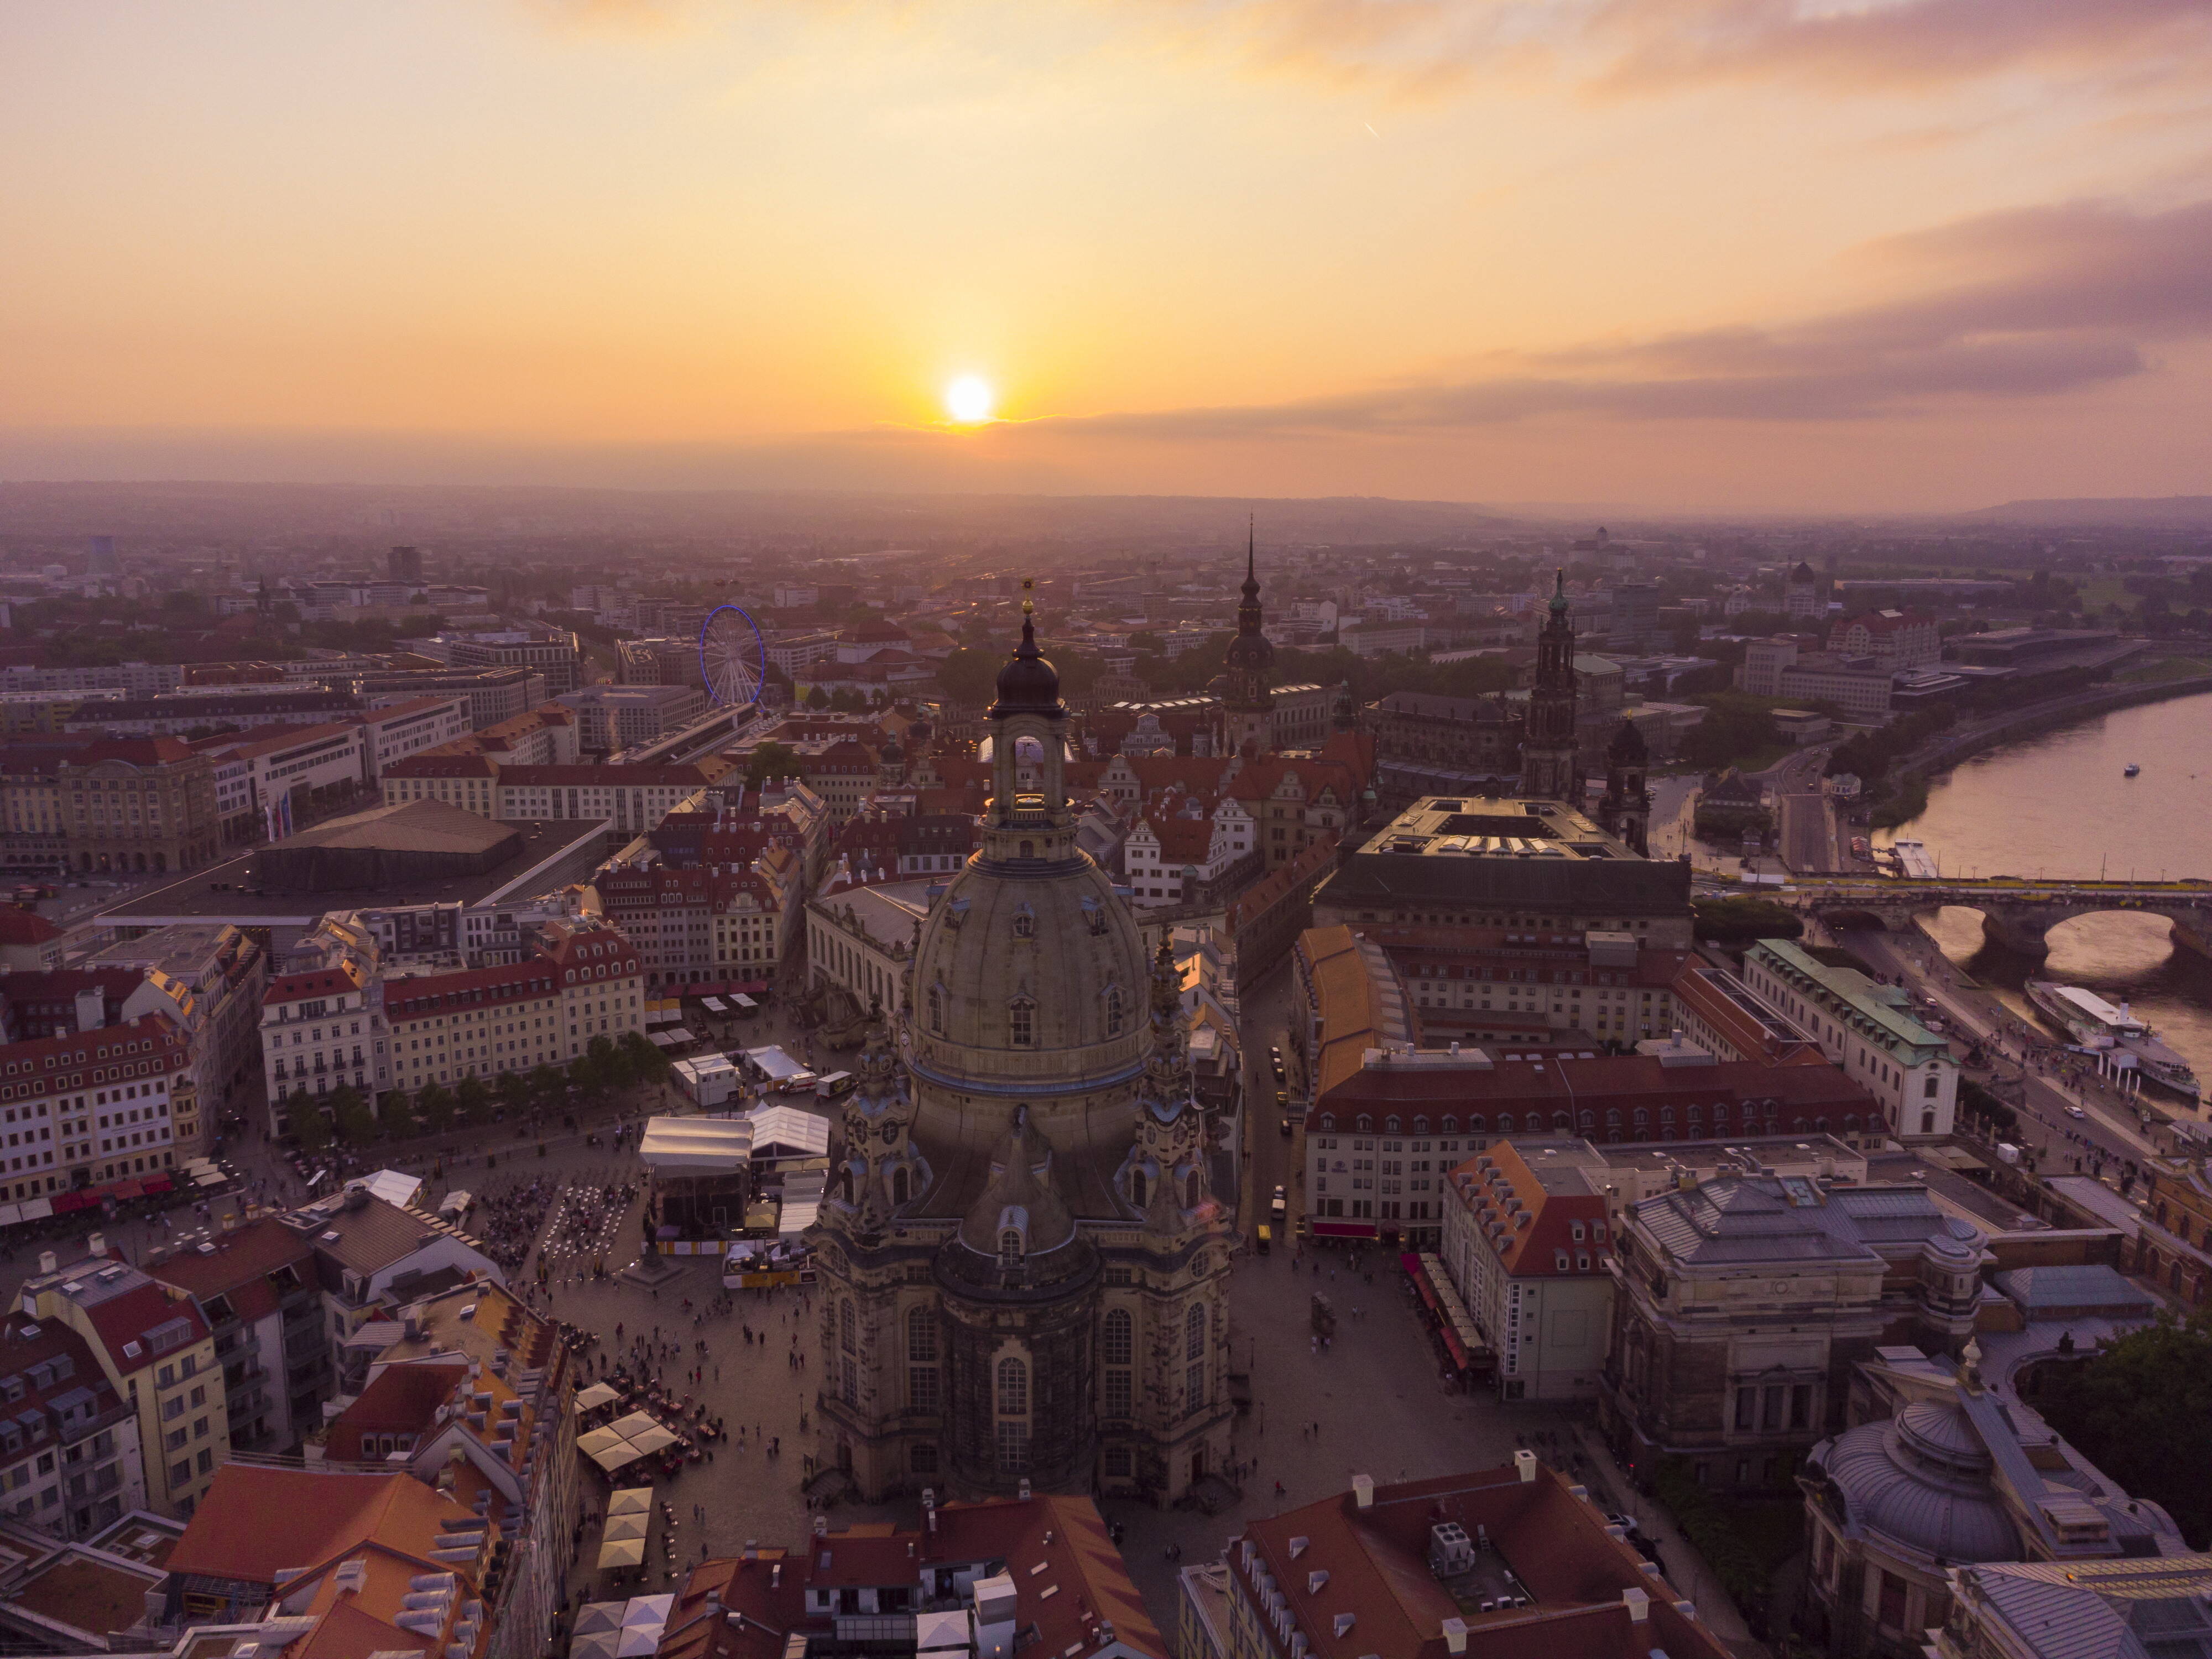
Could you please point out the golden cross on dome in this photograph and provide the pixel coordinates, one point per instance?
(1029, 587)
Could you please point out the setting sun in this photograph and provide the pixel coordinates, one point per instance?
(968, 399)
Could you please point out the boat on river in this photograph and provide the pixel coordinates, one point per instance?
(2110, 1029)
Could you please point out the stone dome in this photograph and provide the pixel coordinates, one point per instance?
(1922, 1481)
(1029, 681)
(1627, 747)
(1044, 950)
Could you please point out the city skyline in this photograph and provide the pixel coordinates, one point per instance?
(1732, 255)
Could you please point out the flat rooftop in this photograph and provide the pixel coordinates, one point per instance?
(554, 851)
(1472, 826)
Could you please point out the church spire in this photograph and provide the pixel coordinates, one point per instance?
(1252, 560)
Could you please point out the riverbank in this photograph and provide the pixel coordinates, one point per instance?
(1912, 774)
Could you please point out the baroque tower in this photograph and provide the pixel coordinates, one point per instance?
(1248, 700)
(1626, 810)
(1021, 1262)
(1549, 769)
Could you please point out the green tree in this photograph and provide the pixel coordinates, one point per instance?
(772, 760)
(513, 1091)
(969, 677)
(2141, 1411)
(351, 1114)
(434, 1106)
(397, 1117)
(1741, 921)
(547, 1085)
(644, 1063)
(817, 698)
(303, 1117)
(473, 1100)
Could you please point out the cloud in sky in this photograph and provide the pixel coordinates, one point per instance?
(1622, 46)
(2062, 298)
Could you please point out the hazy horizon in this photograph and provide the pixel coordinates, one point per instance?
(1698, 256)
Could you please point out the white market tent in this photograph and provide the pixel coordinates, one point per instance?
(775, 1064)
(743, 1001)
(631, 1500)
(782, 1131)
(715, 1004)
(600, 1615)
(627, 1526)
(647, 1610)
(599, 1394)
(660, 1039)
(617, 1552)
(394, 1186)
(695, 1145)
(680, 1036)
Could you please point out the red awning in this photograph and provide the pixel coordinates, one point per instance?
(159, 1184)
(1452, 1345)
(751, 987)
(64, 1202)
(1418, 1274)
(1342, 1228)
(129, 1189)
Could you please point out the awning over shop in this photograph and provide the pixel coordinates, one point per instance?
(128, 1189)
(1342, 1228)
(64, 1203)
(159, 1184)
(1456, 1325)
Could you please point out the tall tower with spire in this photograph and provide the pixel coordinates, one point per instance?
(1248, 700)
(1549, 769)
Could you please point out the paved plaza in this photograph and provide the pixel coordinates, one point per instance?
(1372, 1403)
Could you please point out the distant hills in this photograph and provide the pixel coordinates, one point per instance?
(2172, 512)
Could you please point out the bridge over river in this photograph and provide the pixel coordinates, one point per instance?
(2017, 913)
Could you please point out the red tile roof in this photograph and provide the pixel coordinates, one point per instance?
(321, 981)
(24, 927)
(122, 1322)
(401, 1399)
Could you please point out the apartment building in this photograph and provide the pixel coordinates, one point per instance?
(257, 1288)
(553, 653)
(1866, 1029)
(473, 1382)
(318, 1033)
(208, 978)
(156, 1353)
(408, 727)
(1526, 1244)
(371, 1259)
(614, 717)
(1504, 1561)
(706, 924)
(69, 1459)
(139, 805)
(101, 1105)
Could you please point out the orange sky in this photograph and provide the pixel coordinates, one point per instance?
(1752, 254)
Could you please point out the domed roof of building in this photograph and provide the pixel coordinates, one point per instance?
(1922, 1479)
(1627, 747)
(1055, 940)
(1029, 682)
(1019, 1195)
(1560, 592)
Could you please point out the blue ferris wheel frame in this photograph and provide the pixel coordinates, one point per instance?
(760, 645)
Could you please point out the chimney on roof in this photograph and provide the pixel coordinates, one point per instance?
(1639, 1603)
(1455, 1634)
(1363, 1490)
(1525, 1462)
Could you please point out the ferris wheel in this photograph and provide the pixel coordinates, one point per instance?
(732, 657)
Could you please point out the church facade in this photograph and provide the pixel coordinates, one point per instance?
(1022, 1264)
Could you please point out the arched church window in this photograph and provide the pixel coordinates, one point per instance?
(1194, 1353)
(1137, 1188)
(1010, 1247)
(1013, 1389)
(1118, 1342)
(921, 1336)
(849, 1326)
(1022, 1021)
(1113, 1010)
(937, 1009)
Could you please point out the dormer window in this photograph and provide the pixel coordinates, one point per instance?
(1010, 1247)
